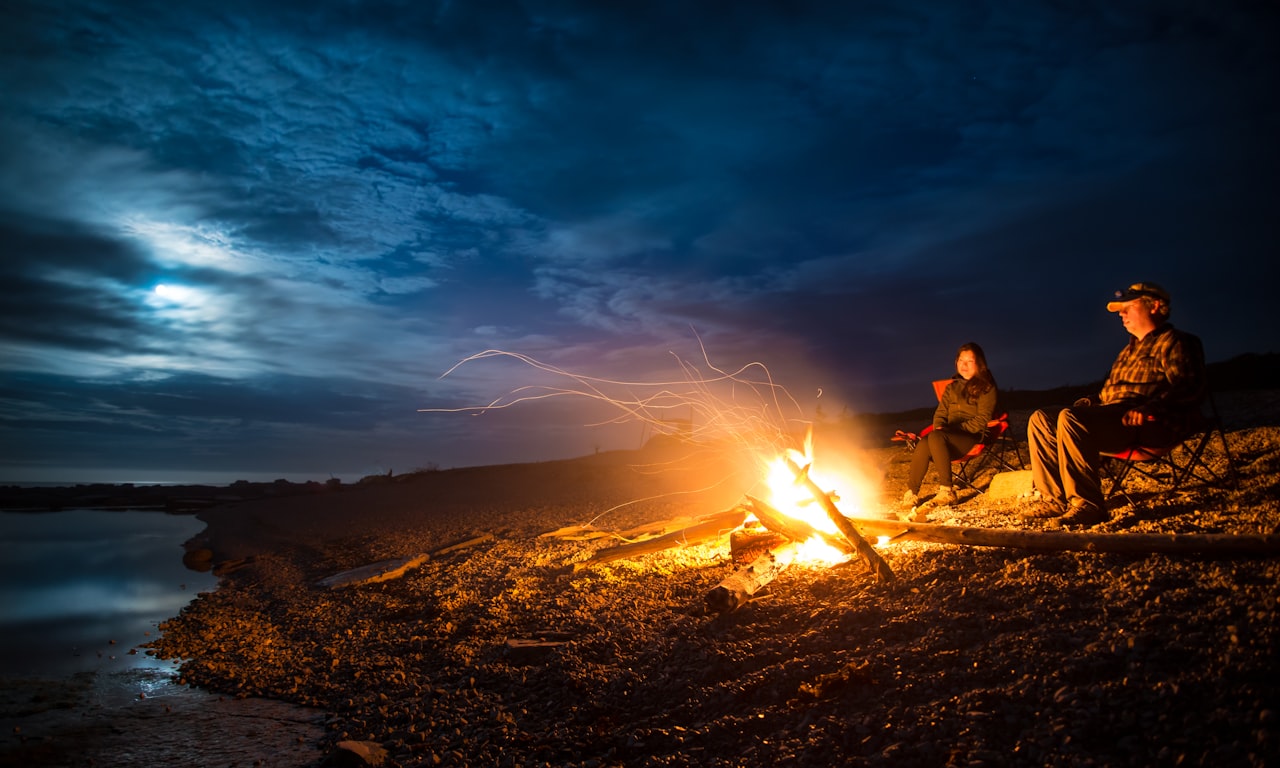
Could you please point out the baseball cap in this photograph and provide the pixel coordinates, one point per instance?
(1136, 291)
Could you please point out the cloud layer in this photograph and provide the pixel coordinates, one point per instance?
(250, 237)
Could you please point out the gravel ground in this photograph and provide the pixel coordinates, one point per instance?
(969, 656)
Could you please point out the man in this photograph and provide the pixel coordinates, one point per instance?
(1153, 391)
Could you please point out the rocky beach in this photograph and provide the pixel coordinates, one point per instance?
(500, 642)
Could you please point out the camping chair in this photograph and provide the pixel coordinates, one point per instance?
(1173, 465)
(996, 448)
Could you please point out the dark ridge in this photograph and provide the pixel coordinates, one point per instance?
(1243, 373)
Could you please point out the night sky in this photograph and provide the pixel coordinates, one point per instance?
(245, 239)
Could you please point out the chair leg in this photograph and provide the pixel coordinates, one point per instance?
(1184, 463)
(1198, 467)
(1118, 476)
(965, 474)
(960, 478)
(1232, 477)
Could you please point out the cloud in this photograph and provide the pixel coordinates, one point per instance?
(357, 198)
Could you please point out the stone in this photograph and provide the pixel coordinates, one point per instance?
(1007, 485)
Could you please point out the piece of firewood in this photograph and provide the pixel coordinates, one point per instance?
(747, 542)
(793, 528)
(588, 532)
(461, 545)
(740, 586)
(711, 527)
(576, 533)
(860, 545)
(383, 570)
(1225, 544)
(529, 650)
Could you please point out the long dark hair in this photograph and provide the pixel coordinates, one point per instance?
(982, 381)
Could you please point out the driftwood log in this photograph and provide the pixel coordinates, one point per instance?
(1222, 544)
(474, 541)
(386, 570)
(646, 530)
(709, 527)
(860, 545)
(383, 570)
(736, 590)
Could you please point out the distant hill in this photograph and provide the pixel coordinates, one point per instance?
(1245, 372)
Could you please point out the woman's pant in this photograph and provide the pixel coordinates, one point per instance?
(939, 446)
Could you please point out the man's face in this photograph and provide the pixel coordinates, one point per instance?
(1137, 317)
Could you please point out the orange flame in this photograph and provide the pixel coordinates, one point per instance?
(792, 498)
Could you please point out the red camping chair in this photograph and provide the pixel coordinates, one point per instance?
(995, 450)
(1172, 466)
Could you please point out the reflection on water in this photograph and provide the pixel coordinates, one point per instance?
(80, 589)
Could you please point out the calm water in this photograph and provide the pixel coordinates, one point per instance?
(72, 582)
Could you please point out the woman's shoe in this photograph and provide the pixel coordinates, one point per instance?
(910, 500)
(945, 497)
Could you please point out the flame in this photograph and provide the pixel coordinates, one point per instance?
(792, 498)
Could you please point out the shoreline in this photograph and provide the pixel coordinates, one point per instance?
(169, 497)
(421, 664)
(124, 718)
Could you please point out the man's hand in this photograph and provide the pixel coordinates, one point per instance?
(1135, 418)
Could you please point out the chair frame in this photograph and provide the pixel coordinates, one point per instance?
(1175, 465)
(992, 450)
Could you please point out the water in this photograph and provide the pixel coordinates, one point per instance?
(81, 590)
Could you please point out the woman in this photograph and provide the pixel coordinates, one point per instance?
(959, 422)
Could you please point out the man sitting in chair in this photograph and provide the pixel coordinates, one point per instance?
(1150, 397)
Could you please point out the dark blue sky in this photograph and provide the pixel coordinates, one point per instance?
(342, 200)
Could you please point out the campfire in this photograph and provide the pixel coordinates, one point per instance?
(801, 522)
(745, 409)
(797, 518)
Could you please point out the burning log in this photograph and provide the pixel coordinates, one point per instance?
(738, 589)
(797, 530)
(749, 541)
(1224, 544)
(863, 548)
(710, 527)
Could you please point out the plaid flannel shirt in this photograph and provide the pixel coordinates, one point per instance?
(1162, 373)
